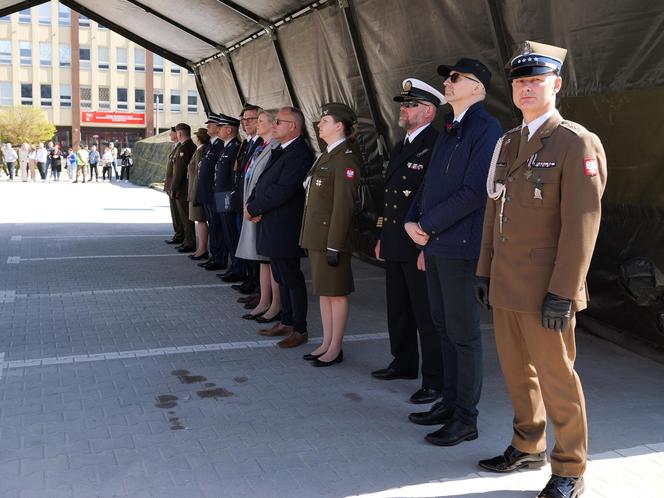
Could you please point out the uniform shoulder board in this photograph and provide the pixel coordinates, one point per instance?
(513, 130)
(575, 128)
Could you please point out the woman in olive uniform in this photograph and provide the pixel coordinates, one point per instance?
(202, 141)
(328, 228)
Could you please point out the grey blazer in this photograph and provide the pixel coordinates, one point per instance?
(246, 247)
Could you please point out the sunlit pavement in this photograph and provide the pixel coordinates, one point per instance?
(99, 319)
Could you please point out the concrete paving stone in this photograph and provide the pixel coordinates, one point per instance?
(58, 464)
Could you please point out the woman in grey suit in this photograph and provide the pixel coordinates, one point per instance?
(269, 306)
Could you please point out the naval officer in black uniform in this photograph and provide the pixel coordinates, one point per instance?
(407, 301)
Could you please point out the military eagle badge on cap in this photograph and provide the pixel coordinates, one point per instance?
(325, 112)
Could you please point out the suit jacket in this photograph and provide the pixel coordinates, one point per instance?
(403, 177)
(244, 155)
(169, 168)
(546, 243)
(192, 171)
(179, 185)
(223, 169)
(331, 199)
(449, 204)
(279, 198)
(205, 187)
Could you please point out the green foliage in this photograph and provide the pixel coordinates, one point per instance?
(25, 124)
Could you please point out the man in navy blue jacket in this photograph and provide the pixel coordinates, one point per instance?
(205, 194)
(446, 218)
(277, 205)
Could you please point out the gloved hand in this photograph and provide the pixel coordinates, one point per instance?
(556, 312)
(332, 257)
(482, 292)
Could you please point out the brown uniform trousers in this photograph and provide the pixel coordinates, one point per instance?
(550, 220)
(175, 218)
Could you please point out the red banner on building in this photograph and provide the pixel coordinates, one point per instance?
(127, 118)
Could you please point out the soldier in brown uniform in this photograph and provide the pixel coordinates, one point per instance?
(541, 223)
(178, 236)
(329, 230)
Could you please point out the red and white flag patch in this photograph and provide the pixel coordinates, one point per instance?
(590, 166)
(350, 173)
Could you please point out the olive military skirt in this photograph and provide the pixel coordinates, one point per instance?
(331, 280)
(196, 212)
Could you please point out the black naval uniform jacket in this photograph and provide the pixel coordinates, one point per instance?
(403, 177)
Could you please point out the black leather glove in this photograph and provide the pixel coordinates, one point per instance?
(556, 312)
(482, 292)
(332, 257)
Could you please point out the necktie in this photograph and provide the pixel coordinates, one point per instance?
(274, 155)
(406, 142)
(524, 140)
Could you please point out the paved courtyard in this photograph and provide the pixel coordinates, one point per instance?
(126, 371)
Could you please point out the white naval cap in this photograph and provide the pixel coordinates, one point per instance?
(414, 89)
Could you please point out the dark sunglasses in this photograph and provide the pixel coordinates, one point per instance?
(454, 77)
(412, 103)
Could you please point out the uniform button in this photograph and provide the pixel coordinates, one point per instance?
(394, 221)
(395, 191)
(508, 198)
(463, 241)
(386, 191)
(386, 204)
(505, 218)
(510, 178)
(394, 206)
(437, 238)
(386, 218)
(403, 178)
(503, 238)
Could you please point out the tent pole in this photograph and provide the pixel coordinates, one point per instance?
(201, 91)
(236, 82)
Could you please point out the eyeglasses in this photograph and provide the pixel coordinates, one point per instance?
(279, 121)
(248, 119)
(412, 103)
(454, 77)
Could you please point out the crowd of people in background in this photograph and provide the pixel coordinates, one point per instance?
(40, 163)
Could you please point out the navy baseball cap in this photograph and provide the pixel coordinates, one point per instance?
(468, 66)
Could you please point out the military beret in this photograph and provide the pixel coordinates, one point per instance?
(339, 111)
(533, 58)
(414, 89)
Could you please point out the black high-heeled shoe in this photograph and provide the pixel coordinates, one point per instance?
(197, 258)
(312, 357)
(320, 363)
(250, 316)
(264, 319)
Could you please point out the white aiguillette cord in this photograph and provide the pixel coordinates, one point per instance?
(496, 190)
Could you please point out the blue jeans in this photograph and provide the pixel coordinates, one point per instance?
(456, 317)
(10, 169)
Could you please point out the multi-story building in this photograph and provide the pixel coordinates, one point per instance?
(93, 84)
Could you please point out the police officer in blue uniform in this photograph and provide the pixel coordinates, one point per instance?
(408, 313)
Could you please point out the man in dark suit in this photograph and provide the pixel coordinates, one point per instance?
(407, 301)
(180, 185)
(446, 219)
(205, 194)
(277, 205)
(223, 182)
(248, 122)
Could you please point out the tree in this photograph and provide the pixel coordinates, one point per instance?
(25, 124)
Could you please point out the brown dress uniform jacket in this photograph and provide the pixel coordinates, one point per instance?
(546, 243)
(329, 211)
(179, 185)
(169, 168)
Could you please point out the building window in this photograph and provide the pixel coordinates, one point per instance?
(175, 69)
(158, 102)
(122, 59)
(5, 18)
(158, 64)
(45, 14)
(84, 54)
(83, 22)
(139, 59)
(139, 99)
(5, 51)
(102, 55)
(64, 15)
(65, 95)
(26, 93)
(65, 55)
(25, 53)
(104, 97)
(6, 93)
(192, 101)
(175, 100)
(86, 97)
(24, 17)
(45, 55)
(122, 99)
(46, 97)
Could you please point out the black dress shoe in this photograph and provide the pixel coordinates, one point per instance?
(173, 241)
(252, 304)
(214, 266)
(453, 433)
(320, 363)
(198, 258)
(425, 395)
(186, 249)
(223, 274)
(244, 288)
(247, 299)
(205, 263)
(264, 319)
(312, 357)
(231, 278)
(390, 373)
(439, 414)
(563, 487)
(514, 459)
(249, 316)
